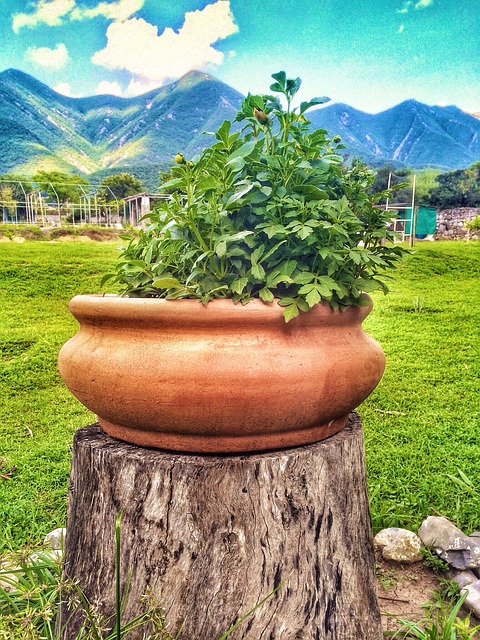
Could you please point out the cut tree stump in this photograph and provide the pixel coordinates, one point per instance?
(213, 535)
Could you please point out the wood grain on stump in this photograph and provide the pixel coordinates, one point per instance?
(213, 535)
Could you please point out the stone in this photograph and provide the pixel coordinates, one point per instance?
(399, 545)
(469, 583)
(47, 555)
(55, 538)
(8, 576)
(450, 543)
(462, 578)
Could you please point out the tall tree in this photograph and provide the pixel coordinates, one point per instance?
(460, 188)
(120, 185)
(64, 186)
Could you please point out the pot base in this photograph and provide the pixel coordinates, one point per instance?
(187, 442)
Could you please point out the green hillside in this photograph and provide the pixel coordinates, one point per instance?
(41, 129)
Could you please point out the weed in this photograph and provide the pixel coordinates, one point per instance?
(441, 622)
(433, 561)
(418, 304)
(32, 592)
(387, 579)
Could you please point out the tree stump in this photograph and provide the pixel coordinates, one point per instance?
(213, 535)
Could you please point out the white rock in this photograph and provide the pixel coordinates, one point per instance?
(54, 555)
(462, 578)
(399, 545)
(472, 601)
(55, 538)
(8, 577)
(450, 543)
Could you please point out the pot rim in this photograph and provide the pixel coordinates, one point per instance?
(161, 311)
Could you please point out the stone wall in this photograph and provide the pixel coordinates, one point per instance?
(450, 224)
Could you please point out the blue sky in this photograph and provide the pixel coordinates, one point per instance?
(371, 54)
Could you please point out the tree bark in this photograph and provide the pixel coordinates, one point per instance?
(213, 535)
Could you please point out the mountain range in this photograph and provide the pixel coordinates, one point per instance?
(42, 129)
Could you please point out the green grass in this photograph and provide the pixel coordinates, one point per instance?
(38, 416)
(421, 423)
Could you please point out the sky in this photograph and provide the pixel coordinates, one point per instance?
(370, 54)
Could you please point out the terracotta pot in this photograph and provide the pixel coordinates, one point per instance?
(176, 374)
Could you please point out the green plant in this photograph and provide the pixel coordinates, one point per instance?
(473, 224)
(418, 304)
(433, 561)
(441, 622)
(266, 212)
(32, 590)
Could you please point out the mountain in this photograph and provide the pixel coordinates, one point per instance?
(42, 129)
(410, 133)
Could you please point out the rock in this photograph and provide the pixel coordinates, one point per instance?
(450, 543)
(8, 576)
(55, 538)
(469, 583)
(399, 545)
(18, 239)
(462, 578)
(47, 555)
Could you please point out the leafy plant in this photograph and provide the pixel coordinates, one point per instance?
(441, 622)
(31, 593)
(473, 224)
(268, 212)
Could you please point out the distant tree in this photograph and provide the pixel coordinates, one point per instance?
(8, 204)
(460, 188)
(67, 187)
(14, 187)
(120, 185)
(389, 176)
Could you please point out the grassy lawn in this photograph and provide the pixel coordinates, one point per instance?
(421, 423)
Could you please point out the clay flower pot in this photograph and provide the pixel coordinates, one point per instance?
(221, 377)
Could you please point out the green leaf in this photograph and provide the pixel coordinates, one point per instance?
(237, 164)
(239, 285)
(304, 106)
(266, 295)
(257, 253)
(313, 297)
(171, 183)
(305, 277)
(167, 283)
(290, 311)
(224, 132)
(312, 191)
(258, 271)
(238, 195)
(242, 152)
(221, 248)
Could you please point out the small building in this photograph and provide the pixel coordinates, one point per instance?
(140, 205)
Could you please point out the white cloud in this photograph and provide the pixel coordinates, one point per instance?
(49, 12)
(55, 12)
(401, 28)
(406, 6)
(135, 46)
(63, 88)
(119, 11)
(51, 58)
(109, 88)
(421, 4)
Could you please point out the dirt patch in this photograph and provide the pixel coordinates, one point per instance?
(403, 589)
(64, 234)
